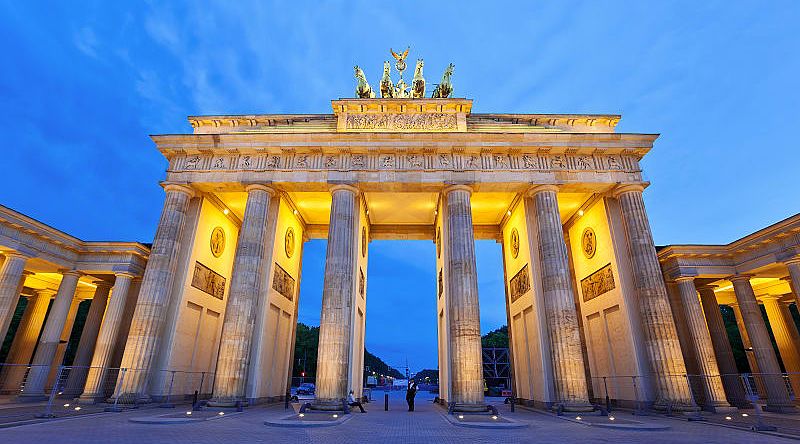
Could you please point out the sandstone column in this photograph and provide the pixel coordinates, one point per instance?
(703, 348)
(785, 332)
(464, 314)
(25, 341)
(148, 319)
(66, 332)
(569, 374)
(51, 335)
(88, 338)
(794, 278)
(243, 302)
(94, 388)
(770, 371)
(337, 299)
(660, 336)
(10, 279)
(722, 348)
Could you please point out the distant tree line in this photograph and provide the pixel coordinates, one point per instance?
(305, 355)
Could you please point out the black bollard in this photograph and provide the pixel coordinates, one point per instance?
(385, 402)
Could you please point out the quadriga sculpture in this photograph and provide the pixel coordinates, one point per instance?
(386, 85)
(418, 83)
(363, 90)
(445, 88)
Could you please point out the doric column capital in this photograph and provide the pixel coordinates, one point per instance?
(457, 187)
(75, 273)
(536, 189)
(793, 261)
(623, 188)
(706, 288)
(260, 186)
(680, 279)
(103, 284)
(125, 274)
(770, 297)
(344, 187)
(16, 255)
(740, 278)
(178, 187)
(48, 292)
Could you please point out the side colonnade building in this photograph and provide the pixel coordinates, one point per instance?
(45, 276)
(757, 279)
(589, 311)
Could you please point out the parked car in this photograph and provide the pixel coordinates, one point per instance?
(306, 388)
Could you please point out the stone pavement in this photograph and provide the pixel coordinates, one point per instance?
(395, 426)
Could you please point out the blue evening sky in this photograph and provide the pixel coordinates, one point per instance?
(84, 83)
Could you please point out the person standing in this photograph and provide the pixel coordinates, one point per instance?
(411, 392)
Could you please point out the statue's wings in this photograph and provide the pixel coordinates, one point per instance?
(399, 57)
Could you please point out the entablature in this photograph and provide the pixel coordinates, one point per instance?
(54, 249)
(760, 250)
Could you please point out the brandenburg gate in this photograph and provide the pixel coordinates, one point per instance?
(561, 193)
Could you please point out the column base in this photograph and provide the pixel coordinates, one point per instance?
(468, 408)
(131, 398)
(32, 397)
(780, 408)
(328, 405)
(90, 398)
(226, 402)
(575, 406)
(676, 406)
(721, 409)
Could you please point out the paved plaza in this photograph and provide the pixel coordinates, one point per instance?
(425, 425)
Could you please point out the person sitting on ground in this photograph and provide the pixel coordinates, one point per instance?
(352, 402)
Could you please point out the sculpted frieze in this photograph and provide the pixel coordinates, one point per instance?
(401, 161)
(402, 122)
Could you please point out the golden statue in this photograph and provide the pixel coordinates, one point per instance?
(363, 90)
(418, 83)
(400, 65)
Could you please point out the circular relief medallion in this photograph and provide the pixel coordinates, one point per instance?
(588, 243)
(289, 242)
(217, 241)
(514, 243)
(439, 243)
(363, 241)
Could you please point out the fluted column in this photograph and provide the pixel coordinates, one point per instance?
(569, 375)
(794, 278)
(337, 299)
(94, 388)
(785, 333)
(240, 313)
(10, 278)
(722, 347)
(464, 314)
(660, 336)
(88, 339)
(770, 371)
(703, 348)
(51, 335)
(148, 318)
(66, 332)
(25, 341)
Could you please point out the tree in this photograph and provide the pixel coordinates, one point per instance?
(305, 355)
(496, 338)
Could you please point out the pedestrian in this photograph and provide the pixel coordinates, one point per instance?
(351, 401)
(411, 392)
